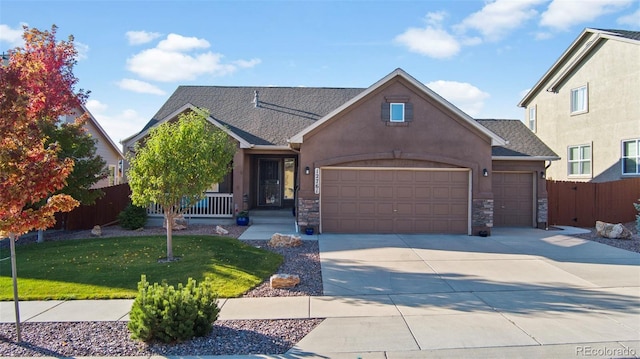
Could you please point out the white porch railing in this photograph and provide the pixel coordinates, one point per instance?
(213, 205)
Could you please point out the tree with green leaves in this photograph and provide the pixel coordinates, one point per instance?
(77, 144)
(176, 164)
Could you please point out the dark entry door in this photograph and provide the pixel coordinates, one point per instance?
(269, 182)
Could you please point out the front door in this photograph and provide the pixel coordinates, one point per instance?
(269, 183)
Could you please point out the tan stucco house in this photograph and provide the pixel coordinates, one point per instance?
(391, 158)
(585, 107)
(105, 148)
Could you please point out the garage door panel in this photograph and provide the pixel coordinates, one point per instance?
(405, 193)
(405, 201)
(366, 191)
(385, 192)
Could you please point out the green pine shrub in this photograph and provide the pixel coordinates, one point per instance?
(164, 313)
(133, 217)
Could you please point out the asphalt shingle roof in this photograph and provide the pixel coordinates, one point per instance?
(282, 111)
(633, 35)
(521, 141)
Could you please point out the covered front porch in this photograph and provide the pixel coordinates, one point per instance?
(264, 181)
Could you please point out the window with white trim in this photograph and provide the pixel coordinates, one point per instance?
(631, 157)
(579, 100)
(397, 112)
(579, 160)
(532, 118)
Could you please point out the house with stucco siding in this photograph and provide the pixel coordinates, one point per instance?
(394, 157)
(585, 107)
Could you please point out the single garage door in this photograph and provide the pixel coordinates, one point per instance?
(512, 199)
(375, 200)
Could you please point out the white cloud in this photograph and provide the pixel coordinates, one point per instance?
(12, 36)
(632, 19)
(247, 63)
(429, 41)
(83, 50)
(497, 18)
(175, 59)
(119, 125)
(141, 37)
(562, 14)
(463, 95)
(179, 43)
(139, 86)
(432, 40)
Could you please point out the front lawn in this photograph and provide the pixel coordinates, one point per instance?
(102, 268)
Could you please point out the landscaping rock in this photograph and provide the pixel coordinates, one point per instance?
(221, 231)
(179, 223)
(614, 231)
(285, 240)
(284, 280)
(96, 231)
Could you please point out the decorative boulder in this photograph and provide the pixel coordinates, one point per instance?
(179, 223)
(221, 231)
(96, 231)
(285, 240)
(284, 281)
(614, 231)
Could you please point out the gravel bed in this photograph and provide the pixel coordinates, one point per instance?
(632, 244)
(230, 337)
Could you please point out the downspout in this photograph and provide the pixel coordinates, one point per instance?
(296, 188)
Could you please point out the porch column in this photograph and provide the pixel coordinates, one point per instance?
(238, 180)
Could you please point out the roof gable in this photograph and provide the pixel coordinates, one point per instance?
(574, 55)
(495, 139)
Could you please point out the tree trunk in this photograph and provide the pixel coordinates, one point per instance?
(14, 276)
(169, 217)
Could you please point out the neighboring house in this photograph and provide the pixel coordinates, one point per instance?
(105, 148)
(585, 107)
(392, 158)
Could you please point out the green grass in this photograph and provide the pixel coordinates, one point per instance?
(103, 268)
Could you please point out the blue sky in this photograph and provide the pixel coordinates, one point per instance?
(480, 55)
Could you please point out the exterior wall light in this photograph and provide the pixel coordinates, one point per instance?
(485, 173)
(543, 175)
(307, 170)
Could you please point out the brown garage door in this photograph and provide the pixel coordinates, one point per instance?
(394, 201)
(512, 199)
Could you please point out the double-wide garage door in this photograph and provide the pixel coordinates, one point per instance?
(377, 200)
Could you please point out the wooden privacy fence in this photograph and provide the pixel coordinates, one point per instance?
(581, 204)
(104, 211)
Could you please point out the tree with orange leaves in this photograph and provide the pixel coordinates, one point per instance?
(36, 88)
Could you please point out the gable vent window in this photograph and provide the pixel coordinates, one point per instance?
(397, 111)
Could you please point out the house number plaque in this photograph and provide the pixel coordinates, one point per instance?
(316, 181)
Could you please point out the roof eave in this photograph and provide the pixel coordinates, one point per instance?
(548, 75)
(525, 158)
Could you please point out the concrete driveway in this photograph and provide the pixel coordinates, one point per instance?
(544, 292)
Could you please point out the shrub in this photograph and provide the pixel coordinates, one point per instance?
(133, 217)
(161, 312)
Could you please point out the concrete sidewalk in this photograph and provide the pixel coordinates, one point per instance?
(518, 294)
